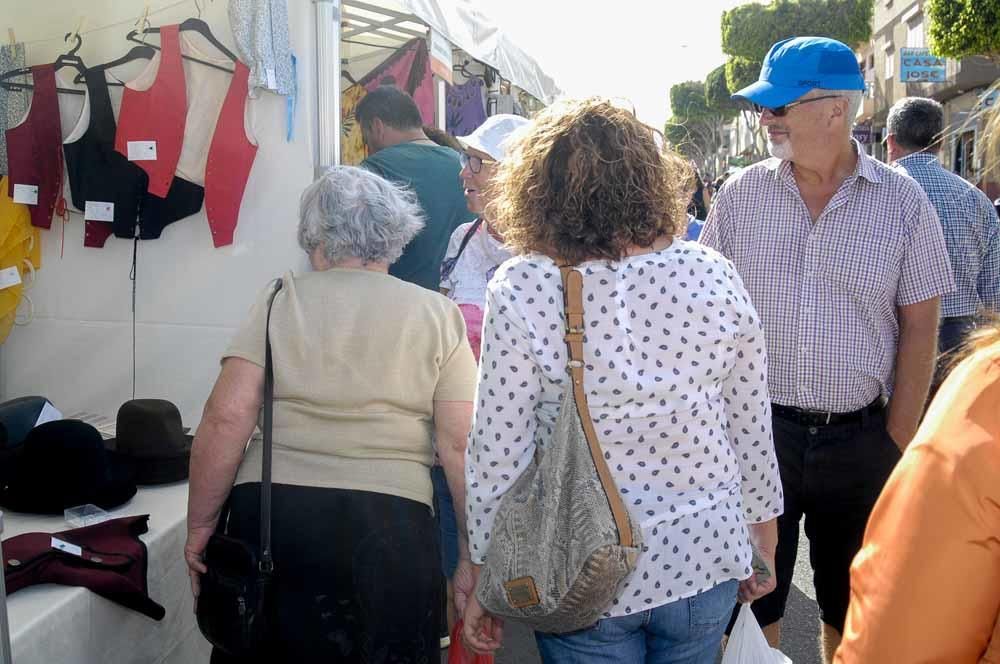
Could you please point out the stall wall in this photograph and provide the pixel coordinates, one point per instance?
(190, 296)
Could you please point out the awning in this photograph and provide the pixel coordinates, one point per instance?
(462, 24)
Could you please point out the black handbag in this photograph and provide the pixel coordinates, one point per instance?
(235, 604)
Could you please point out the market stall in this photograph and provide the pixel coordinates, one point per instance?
(139, 296)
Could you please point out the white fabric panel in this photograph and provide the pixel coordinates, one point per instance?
(52, 624)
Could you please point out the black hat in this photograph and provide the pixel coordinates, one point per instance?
(151, 439)
(64, 464)
(17, 418)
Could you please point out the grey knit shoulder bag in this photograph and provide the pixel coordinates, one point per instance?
(562, 542)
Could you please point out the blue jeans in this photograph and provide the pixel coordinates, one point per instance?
(447, 522)
(688, 631)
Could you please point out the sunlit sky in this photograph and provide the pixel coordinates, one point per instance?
(634, 49)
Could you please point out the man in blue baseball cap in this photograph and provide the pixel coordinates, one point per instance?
(845, 261)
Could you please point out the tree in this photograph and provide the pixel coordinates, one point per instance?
(961, 28)
(697, 127)
(717, 95)
(750, 30)
(741, 72)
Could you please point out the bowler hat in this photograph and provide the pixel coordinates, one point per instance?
(17, 418)
(150, 438)
(64, 464)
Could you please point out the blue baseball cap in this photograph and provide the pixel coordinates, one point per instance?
(795, 66)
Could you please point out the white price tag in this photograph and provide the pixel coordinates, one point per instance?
(272, 79)
(66, 547)
(142, 150)
(26, 194)
(49, 414)
(99, 211)
(9, 277)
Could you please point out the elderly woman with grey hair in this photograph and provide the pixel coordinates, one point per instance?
(366, 368)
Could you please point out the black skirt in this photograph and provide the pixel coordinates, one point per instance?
(356, 575)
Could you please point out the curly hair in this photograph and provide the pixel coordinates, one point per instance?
(585, 181)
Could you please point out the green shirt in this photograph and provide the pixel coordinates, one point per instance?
(431, 171)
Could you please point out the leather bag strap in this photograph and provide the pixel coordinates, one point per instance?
(266, 561)
(572, 281)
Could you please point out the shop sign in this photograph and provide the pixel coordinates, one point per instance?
(988, 100)
(441, 61)
(917, 65)
(863, 134)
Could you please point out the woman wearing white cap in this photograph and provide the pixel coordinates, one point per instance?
(474, 253)
(476, 250)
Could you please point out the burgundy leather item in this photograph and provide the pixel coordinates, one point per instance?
(113, 564)
(230, 159)
(158, 114)
(34, 148)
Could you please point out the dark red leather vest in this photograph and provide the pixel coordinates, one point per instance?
(34, 148)
(112, 564)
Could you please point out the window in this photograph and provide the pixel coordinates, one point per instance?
(915, 32)
(890, 63)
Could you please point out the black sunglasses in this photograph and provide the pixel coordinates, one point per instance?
(782, 111)
(474, 163)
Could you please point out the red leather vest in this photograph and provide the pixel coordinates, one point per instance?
(158, 114)
(230, 159)
(34, 148)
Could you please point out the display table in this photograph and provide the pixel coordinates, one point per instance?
(52, 624)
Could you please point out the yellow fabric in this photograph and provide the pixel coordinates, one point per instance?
(925, 586)
(19, 241)
(360, 357)
(352, 145)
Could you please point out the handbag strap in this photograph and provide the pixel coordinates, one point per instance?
(446, 272)
(266, 561)
(572, 281)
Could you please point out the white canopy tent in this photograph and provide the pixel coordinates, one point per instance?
(354, 30)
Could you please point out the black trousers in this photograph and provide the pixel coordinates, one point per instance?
(356, 575)
(831, 475)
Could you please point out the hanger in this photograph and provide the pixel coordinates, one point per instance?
(68, 59)
(136, 53)
(464, 71)
(195, 24)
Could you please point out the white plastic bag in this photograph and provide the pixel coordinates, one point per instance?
(747, 644)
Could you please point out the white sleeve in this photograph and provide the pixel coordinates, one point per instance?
(748, 413)
(502, 440)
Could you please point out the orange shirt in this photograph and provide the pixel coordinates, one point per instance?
(925, 586)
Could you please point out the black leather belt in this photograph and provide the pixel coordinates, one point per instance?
(817, 418)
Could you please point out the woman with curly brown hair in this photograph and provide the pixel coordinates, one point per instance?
(675, 378)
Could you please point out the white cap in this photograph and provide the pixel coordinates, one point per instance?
(491, 136)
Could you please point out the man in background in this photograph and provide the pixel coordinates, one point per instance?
(971, 230)
(400, 152)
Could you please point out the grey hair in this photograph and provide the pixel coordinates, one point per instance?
(854, 100)
(353, 213)
(917, 123)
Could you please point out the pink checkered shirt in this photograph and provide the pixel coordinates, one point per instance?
(827, 292)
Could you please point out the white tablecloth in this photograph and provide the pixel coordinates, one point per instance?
(52, 624)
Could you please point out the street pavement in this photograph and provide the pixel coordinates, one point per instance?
(800, 637)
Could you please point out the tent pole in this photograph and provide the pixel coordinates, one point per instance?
(328, 66)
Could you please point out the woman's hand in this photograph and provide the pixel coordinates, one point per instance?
(759, 584)
(764, 540)
(463, 583)
(194, 552)
(482, 632)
